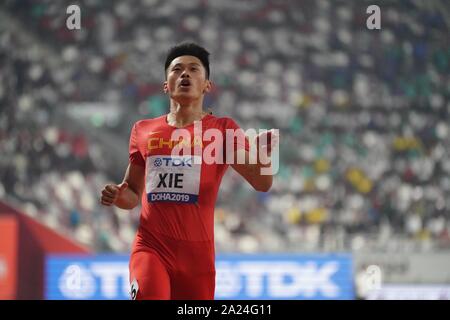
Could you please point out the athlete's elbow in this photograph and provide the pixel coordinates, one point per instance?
(263, 185)
(127, 203)
(126, 206)
(262, 189)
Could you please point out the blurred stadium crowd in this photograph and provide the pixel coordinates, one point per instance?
(363, 116)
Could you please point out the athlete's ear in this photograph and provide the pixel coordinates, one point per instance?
(208, 86)
(165, 87)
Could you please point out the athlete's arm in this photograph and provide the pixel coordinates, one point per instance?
(127, 194)
(252, 172)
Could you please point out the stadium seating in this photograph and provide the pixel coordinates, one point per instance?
(363, 116)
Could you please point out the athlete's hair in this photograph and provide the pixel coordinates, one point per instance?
(188, 49)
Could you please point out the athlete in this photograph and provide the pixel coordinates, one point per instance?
(173, 255)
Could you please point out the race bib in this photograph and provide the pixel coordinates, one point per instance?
(173, 178)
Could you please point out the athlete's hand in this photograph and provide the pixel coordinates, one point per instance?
(111, 192)
(267, 140)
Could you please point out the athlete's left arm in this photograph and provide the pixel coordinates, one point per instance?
(253, 172)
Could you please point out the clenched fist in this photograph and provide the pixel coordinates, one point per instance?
(111, 193)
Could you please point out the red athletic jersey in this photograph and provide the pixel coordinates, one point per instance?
(179, 196)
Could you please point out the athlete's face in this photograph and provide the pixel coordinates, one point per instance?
(186, 79)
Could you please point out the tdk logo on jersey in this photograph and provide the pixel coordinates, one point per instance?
(158, 162)
(173, 162)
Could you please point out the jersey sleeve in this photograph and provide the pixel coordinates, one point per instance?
(240, 140)
(135, 155)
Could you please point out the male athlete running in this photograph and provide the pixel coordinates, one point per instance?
(173, 253)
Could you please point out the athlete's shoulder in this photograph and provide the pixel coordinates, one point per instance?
(151, 121)
(223, 121)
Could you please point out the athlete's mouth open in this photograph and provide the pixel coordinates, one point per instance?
(185, 83)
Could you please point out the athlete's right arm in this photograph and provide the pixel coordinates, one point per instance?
(127, 194)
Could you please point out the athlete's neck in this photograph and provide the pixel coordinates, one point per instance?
(183, 115)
